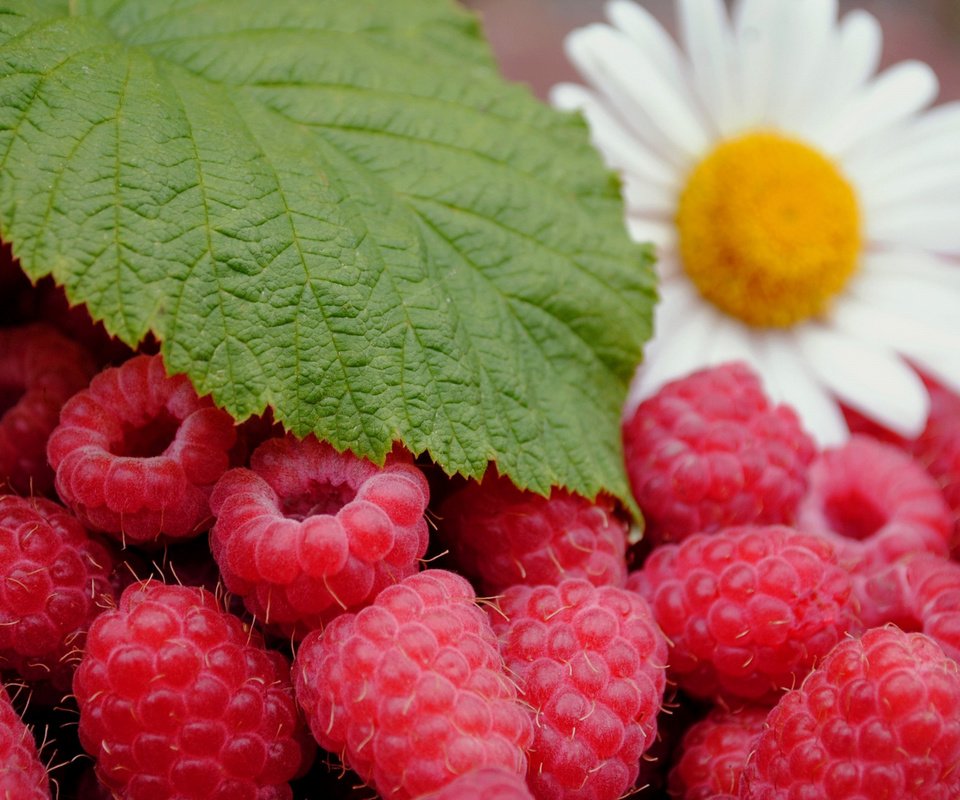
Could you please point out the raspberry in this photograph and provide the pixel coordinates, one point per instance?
(137, 453)
(713, 753)
(875, 504)
(748, 610)
(307, 533)
(937, 448)
(178, 699)
(919, 592)
(22, 774)
(590, 663)
(39, 370)
(876, 719)
(411, 690)
(501, 535)
(55, 581)
(709, 451)
(486, 783)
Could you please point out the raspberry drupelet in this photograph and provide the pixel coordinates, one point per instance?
(590, 663)
(40, 369)
(179, 699)
(500, 535)
(56, 579)
(411, 691)
(877, 718)
(748, 610)
(137, 453)
(307, 533)
(710, 450)
(22, 775)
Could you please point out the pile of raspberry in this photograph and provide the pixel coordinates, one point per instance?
(192, 607)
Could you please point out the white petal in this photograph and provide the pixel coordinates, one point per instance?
(895, 95)
(642, 27)
(932, 226)
(942, 367)
(708, 42)
(871, 379)
(622, 150)
(917, 264)
(928, 140)
(904, 293)
(678, 352)
(755, 25)
(932, 184)
(733, 342)
(669, 268)
(647, 197)
(804, 44)
(787, 379)
(662, 235)
(850, 59)
(899, 331)
(678, 299)
(655, 108)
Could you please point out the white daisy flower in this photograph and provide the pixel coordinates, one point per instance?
(806, 210)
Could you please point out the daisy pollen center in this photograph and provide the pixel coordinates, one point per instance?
(769, 229)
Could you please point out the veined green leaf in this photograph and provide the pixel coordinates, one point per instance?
(337, 209)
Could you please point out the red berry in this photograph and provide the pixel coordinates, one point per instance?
(55, 581)
(39, 370)
(501, 535)
(937, 448)
(485, 783)
(877, 718)
(411, 690)
(747, 611)
(589, 661)
(709, 451)
(713, 752)
(137, 453)
(22, 774)
(919, 592)
(307, 533)
(179, 699)
(875, 504)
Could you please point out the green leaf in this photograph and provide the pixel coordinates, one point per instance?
(335, 208)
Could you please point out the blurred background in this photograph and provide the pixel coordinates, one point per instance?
(527, 35)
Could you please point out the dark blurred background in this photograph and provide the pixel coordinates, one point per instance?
(527, 35)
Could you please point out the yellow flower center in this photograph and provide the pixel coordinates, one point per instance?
(769, 229)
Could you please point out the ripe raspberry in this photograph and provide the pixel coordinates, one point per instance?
(55, 581)
(876, 719)
(501, 535)
(937, 448)
(713, 753)
(137, 453)
(875, 504)
(22, 774)
(411, 690)
(919, 592)
(178, 699)
(748, 610)
(39, 370)
(308, 532)
(590, 663)
(486, 783)
(709, 451)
